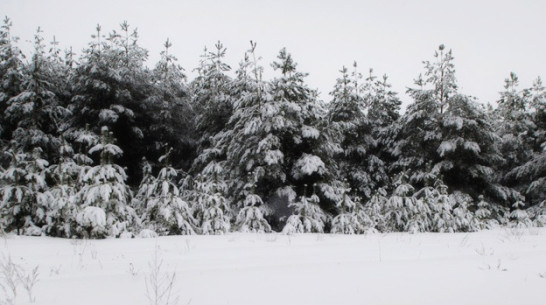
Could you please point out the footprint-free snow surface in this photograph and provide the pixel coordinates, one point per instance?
(502, 266)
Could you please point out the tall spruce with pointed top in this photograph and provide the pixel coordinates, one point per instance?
(11, 77)
(211, 95)
(104, 196)
(450, 130)
(112, 89)
(357, 162)
(36, 111)
(524, 142)
(169, 111)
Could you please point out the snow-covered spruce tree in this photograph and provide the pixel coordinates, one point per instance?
(251, 216)
(443, 220)
(104, 195)
(448, 129)
(484, 215)
(372, 215)
(35, 111)
(63, 205)
(11, 76)
(211, 95)
(465, 220)
(308, 217)
(166, 212)
(142, 196)
(213, 209)
(399, 208)
(24, 192)
(357, 163)
(170, 114)
(111, 88)
(518, 217)
(528, 172)
(346, 222)
(307, 144)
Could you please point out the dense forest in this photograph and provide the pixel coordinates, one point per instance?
(103, 145)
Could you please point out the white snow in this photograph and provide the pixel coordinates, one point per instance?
(504, 266)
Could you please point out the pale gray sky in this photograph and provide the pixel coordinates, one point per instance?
(489, 38)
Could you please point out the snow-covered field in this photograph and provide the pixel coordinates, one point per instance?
(503, 266)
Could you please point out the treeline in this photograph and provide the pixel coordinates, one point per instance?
(101, 145)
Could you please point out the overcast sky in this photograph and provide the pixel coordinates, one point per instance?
(489, 39)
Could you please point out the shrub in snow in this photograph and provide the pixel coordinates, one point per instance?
(400, 207)
(465, 221)
(166, 212)
(212, 207)
(92, 220)
(24, 192)
(308, 217)
(518, 217)
(251, 217)
(63, 206)
(347, 221)
(443, 220)
(484, 216)
(104, 188)
(373, 216)
(147, 233)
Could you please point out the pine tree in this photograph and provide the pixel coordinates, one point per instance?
(251, 216)
(104, 195)
(166, 212)
(399, 208)
(347, 222)
(63, 205)
(112, 89)
(11, 76)
(357, 163)
(24, 192)
(525, 146)
(169, 109)
(519, 217)
(307, 217)
(211, 95)
(213, 208)
(449, 130)
(36, 111)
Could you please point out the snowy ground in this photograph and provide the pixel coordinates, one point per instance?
(491, 267)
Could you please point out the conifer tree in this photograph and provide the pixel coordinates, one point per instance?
(307, 217)
(251, 215)
(104, 196)
(11, 76)
(166, 212)
(346, 222)
(211, 95)
(364, 171)
(63, 205)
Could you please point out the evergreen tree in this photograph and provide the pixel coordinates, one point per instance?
(449, 130)
(251, 216)
(166, 212)
(171, 115)
(11, 76)
(35, 111)
(211, 95)
(307, 217)
(111, 88)
(104, 195)
(346, 222)
(24, 192)
(213, 207)
(63, 205)
(525, 146)
(364, 171)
